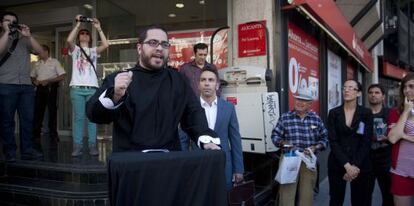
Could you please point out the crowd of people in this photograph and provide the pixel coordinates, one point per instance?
(153, 106)
(366, 145)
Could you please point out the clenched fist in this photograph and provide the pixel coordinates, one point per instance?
(122, 81)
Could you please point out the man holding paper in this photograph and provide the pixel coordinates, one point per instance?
(304, 131)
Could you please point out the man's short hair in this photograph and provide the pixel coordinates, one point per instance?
(201, 46)
(9, 13)
(46, 48)
(142, 35)
(380, 87)
(214, 71)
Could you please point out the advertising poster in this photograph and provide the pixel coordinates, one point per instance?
(181, 50)
(252, 39)
(350, 71)
(334, 80)
(303, 56)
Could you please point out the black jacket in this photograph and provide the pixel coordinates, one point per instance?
(156, 102)
(346, 144)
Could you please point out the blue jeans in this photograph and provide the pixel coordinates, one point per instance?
(20, 98)
(79, 97)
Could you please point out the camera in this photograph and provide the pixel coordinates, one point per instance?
(85, 19)
(13, 27)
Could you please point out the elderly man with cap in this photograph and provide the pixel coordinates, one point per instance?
(302, 130)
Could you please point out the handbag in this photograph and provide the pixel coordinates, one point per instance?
(288, 169)
(242, 194)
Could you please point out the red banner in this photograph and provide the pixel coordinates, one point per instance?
(303, 55)
(181, 50)
(327, 13)
(252, 39)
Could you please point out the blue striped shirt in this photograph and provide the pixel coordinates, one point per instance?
(302, 133)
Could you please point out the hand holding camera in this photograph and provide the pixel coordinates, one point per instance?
(95, 22)
(80, 18)
(14, 27)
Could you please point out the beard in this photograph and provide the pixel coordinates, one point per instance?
(145, 60)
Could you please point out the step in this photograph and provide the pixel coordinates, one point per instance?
(71, 173)
(27, 191)
(263, 195)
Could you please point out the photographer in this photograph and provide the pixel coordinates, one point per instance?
(84, 80)
(16, 89)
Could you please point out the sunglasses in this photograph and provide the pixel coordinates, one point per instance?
(83, 33)
(155, 43)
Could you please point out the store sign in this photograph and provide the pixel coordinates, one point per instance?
(252, 39)
(392, 71)
(303, 55)
(182, 42)
(334, 80)
(327, 13)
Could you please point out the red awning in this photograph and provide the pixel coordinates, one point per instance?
(390, 70)
(326, 14)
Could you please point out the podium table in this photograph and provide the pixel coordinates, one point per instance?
(173, 178)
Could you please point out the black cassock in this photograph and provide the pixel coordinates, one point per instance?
(148, 118)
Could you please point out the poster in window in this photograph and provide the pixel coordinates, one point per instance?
(303, 71)
(182, 42)
(334, 80)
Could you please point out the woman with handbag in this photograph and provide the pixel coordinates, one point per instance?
(84, 80)
(350, 130)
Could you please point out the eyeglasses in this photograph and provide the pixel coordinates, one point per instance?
(83, 33)
(155, 43)
(350, 89)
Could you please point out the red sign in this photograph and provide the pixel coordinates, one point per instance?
(390, 70)
(327, 13)
(232, 100)
(181, 50)
(303, 55)
(252, 39)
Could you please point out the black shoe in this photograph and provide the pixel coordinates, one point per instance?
(34, 155)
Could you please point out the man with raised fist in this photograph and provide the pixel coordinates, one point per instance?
(146, 103)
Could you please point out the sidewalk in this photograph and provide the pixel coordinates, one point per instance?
(322, 199)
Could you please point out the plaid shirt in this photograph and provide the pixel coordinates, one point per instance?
(301, 133)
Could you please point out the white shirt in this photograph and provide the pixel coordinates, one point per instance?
(49, 69)
(83, 73)
(211, 112)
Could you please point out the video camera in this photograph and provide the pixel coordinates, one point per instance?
(13, 27)
(85, 19)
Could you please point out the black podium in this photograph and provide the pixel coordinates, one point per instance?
(173, 178)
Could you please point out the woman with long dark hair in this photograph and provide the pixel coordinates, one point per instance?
(349, 131)
(84, 80)
(401, 121)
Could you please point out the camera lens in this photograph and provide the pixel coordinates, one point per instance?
(85, 19)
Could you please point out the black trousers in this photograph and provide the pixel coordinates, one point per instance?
(381, 164)
(46, 96)
(337, 188)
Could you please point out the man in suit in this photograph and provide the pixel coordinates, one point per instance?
(221, 117)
